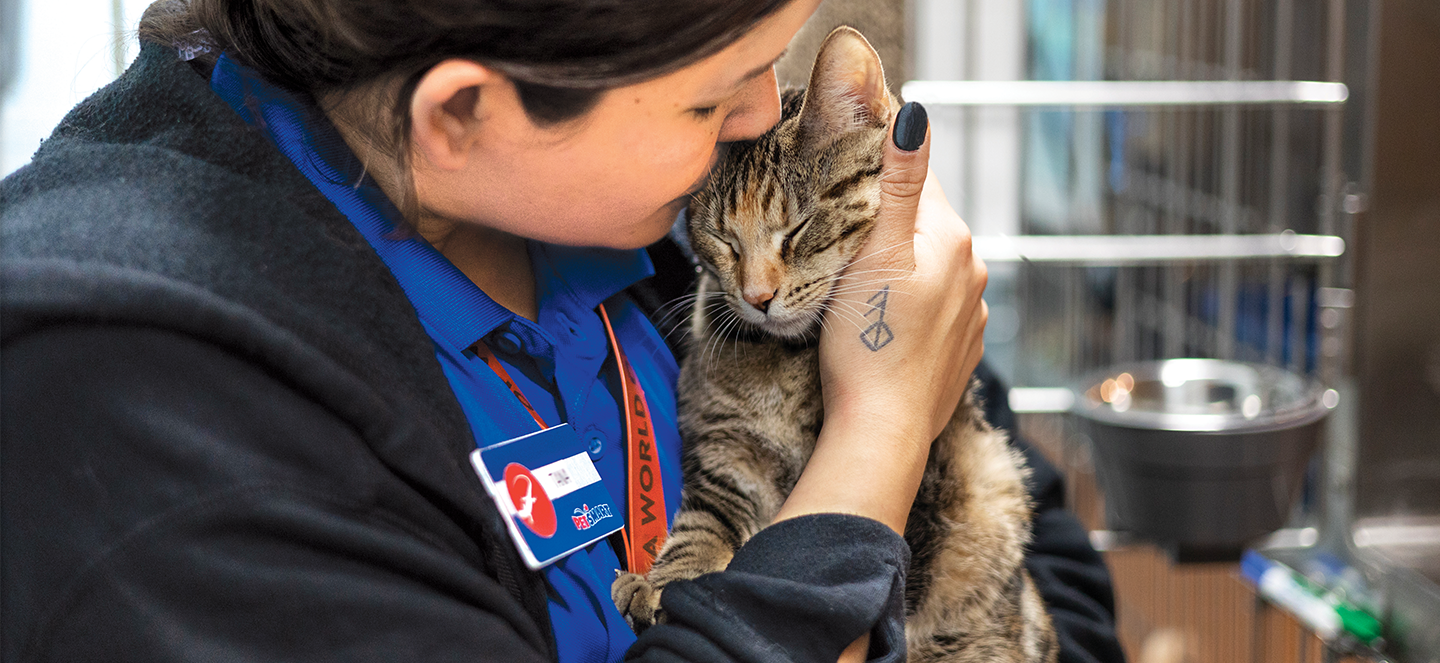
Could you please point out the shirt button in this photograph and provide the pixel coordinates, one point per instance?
(597, 448)
(507, 342)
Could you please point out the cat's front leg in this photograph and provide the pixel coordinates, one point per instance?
(637, 599)
(692, 550)
(730, 494)
(638, 596)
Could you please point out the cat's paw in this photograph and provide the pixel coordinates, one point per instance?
(638, 600)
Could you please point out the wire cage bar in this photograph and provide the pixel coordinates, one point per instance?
(1182, 186)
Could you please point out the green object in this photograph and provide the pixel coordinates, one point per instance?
(1364, 626)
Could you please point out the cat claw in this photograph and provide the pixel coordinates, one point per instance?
(638, 600)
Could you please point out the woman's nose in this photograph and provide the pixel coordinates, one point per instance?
(758, 110)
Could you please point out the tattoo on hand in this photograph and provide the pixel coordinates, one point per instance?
(878, 334)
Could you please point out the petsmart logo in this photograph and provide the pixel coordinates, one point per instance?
(586, 516)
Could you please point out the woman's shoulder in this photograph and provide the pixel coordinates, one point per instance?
(153, 204)
(156, 175)
(154, 144)
(160, 104)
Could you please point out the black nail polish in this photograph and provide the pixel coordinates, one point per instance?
(910, 126)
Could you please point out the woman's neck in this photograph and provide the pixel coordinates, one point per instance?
(496, 262)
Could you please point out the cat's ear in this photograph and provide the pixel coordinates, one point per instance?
(847, 88)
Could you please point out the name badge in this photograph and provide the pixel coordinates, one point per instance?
(550, 491)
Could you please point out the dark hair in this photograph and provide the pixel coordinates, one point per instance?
(561, 54)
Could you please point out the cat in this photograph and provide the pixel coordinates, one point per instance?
(778, 221)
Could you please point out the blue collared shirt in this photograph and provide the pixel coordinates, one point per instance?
(561, 361)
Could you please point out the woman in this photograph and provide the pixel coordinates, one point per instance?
(266, 294)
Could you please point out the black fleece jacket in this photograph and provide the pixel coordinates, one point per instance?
(225, 436)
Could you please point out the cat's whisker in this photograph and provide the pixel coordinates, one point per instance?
(721, 309)
(857, 292)
(879, 252)
(877, 270)
(676, 314)
(711, 306)
(673, 328)
(820, 323)
(825, 324)
(709, 297)
(713, 335)
(705, 353)
(844, 312)
(706, 309)
(877, 286)
(718, 318)
(883, 280)
(734, 346)
(849, 314)
(805, 291)
(817, 317)
(719, 339)
(851, 303)
(733, 328)
(892, 247)
(852, 269)
(676, 305)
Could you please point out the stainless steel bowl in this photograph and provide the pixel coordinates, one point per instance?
(1200, 455)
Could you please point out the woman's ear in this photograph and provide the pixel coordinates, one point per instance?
(445, 112)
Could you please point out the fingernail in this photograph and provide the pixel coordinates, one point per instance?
(910, 126)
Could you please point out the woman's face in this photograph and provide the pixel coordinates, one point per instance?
(615, 177)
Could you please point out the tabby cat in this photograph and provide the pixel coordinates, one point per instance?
(778, 222)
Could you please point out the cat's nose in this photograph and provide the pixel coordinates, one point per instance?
(761, 299)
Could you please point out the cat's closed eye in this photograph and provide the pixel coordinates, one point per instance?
(790, 238)
(729, 244)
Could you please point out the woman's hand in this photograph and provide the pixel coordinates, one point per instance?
(906, 331)
(900, 342)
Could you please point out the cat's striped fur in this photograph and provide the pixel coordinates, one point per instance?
(779, 220)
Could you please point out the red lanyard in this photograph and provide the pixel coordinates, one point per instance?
(644, 533)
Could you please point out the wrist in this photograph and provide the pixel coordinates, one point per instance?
(879, 416)
(864, 466)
